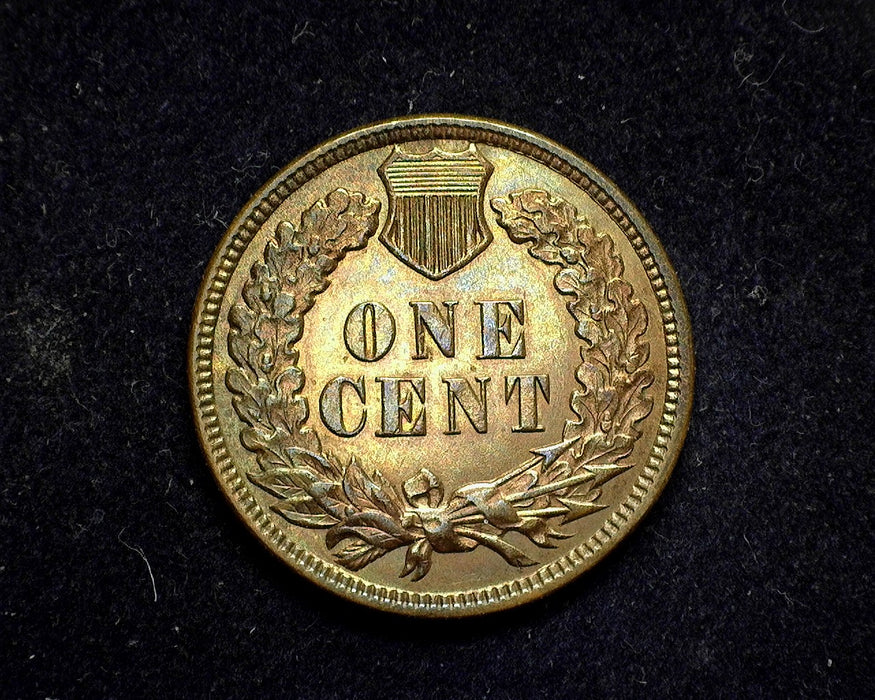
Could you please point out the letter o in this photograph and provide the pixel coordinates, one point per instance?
(369, 331)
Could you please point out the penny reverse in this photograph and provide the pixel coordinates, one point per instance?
(441, 365)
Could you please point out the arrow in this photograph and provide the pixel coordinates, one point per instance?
(512, 474)
(549, 488)
(599, 473)
(542, 512)
(548, 455)
(554, 452)
(605, 472)
(577, 509)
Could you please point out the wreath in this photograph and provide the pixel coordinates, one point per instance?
(365, 515)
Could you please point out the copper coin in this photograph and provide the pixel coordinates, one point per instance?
(441, 365)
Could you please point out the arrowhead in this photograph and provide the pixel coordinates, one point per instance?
(553, 452)
(604, 473)
(577, 508)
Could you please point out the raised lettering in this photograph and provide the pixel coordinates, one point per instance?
(331, 405)
(442, 329)
(527, 387)
(369, 331)
(495, 324)
(460, 391)
(402, 415)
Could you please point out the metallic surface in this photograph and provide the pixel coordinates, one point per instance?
(441, 365)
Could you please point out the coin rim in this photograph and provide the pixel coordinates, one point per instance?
(545, 579)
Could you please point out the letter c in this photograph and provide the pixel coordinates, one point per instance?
(331, 405)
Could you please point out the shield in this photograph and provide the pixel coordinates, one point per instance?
(435, 223)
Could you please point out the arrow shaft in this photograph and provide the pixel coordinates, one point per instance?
(502, 480)
(542, 512)
(549, 488)
(479, 518)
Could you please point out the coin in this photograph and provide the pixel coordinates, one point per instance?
(441, 365)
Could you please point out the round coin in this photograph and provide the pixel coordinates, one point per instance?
(441, 365)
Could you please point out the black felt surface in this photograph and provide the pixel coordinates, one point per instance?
(129, 138)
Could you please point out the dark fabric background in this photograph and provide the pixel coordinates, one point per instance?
(131, 135)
